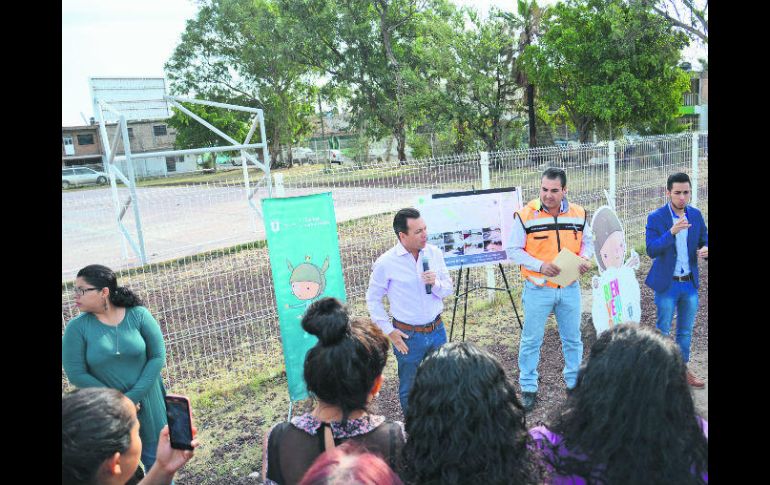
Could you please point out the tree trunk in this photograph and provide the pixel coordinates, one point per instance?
(390, 148)
(396, 69)
(401, 140)
(460, 143)
(532, 119)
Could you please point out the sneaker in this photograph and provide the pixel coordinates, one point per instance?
(693, 380)
(528, 400)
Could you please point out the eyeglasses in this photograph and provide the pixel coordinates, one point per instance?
(82, 291)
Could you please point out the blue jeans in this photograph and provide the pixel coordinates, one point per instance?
(538, 303)
(419, 344)
(681, 296)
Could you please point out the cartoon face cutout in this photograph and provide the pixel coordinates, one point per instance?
(613, 251)
(609, 239)
(305, 290)
(307, 280)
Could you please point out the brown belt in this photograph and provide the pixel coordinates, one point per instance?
(683, 278)
(427, 328)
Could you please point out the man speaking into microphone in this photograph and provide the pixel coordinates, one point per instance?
(415, 279)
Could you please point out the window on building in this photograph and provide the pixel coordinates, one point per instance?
(171, 164)
(159, 130)
(86, 139)
(130, 133)
(67, 139)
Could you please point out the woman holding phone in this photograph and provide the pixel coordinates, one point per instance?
(101, 445)
(115, 342)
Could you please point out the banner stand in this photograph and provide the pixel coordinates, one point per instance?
(458, 295)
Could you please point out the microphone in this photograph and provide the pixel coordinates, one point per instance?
(426, 267)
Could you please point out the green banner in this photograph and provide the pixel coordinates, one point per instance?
(305, 260)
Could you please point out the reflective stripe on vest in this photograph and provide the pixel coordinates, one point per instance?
(547, 235)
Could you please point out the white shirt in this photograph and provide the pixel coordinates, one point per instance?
(516, 253)
(397, 275)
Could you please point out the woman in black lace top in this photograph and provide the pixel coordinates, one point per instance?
(344, 373)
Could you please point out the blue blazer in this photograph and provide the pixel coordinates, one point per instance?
(661, 246)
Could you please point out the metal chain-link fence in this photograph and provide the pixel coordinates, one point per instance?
(208, 281)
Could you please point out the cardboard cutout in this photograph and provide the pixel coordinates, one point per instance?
(616, 295)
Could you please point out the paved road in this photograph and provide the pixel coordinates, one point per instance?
(181, 221)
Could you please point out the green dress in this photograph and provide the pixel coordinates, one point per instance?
(127, 357)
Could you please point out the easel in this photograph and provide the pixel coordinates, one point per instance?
(507, 289)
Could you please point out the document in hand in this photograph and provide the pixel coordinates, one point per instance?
(569, 263)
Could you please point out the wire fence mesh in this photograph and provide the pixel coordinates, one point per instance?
(209, 283)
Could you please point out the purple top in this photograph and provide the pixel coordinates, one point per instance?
(541, 434)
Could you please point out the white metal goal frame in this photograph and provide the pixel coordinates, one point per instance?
(147, 98)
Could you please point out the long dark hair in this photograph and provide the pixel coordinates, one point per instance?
(103, 277)
(631, 415)
(341, 368)
(95, 424)
(464, 422)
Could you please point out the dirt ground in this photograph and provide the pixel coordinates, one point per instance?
(551, 392)
(232, 425)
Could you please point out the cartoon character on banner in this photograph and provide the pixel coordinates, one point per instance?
(308, 282)
(616, 295)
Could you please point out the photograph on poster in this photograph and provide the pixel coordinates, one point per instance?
(470, 228)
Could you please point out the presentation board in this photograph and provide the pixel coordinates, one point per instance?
(471, 228)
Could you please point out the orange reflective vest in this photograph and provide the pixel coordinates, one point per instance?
(547, 235)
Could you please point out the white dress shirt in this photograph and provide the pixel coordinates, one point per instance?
(397, 275)
(516, 253)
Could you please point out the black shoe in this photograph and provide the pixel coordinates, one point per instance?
(528, 400)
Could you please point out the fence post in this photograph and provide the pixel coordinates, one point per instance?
(613, 175)
(695, 184)
(279, 192)
(485, 184)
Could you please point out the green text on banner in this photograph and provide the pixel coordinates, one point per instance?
(305, 260)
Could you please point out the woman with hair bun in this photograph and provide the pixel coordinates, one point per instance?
(115, 342)
(343, 372)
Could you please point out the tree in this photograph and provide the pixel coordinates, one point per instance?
(476, 82)
(231, 50)
(192, 134)
(528, 22)
(687, 15)
(609, 64)
(368, 47)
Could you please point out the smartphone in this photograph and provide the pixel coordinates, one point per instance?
(179, 421)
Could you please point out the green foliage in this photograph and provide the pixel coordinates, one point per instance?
(192, 134)
(474, 63)
(420, 144)
(236, 50)
(609, 64)
(372, 51)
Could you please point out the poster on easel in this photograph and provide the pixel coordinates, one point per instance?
(305, 262)
(615, 291)
(471, 228)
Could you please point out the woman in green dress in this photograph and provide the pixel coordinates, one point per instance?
(115, 342)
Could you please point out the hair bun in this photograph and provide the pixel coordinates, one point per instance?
(328, 320)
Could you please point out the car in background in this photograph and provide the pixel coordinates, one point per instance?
(302, 155)
(74, 176)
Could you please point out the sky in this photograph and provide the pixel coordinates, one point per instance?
(119, 38)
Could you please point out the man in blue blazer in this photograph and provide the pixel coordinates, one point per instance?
(676, 238)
